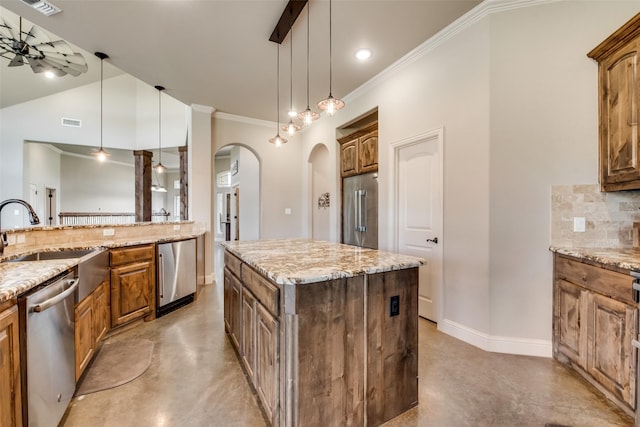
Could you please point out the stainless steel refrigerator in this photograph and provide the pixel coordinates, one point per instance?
(360, 210)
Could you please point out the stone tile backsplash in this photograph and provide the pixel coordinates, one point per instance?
(609, 216)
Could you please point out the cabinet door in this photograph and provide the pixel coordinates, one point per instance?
(619, 92)
(267, 362)
(84, 338)
(131, 292)
(349, 158)
(10, 397)
(570, 319)
(248, 331)
(102, 311)
(368, 152)
(227, 301)
(235, 312)
(611, 361)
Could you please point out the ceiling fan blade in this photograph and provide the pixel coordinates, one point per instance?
(37, 66)
(17, 61)
(58, 46)
(68, 67)
(9, 29)
(35, 35)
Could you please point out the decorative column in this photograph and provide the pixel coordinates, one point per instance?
(143, 185)
(184, 182)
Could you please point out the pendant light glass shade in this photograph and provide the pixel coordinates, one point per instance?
(278, 140)
(101, 154)
(160, 168)
(331, 104)
(291, 128)
(308, 116)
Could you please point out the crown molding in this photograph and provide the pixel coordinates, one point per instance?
(243, 119)
(203, 108)
(479, 12)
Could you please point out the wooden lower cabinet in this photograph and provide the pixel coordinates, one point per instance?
(10, 396)
(132, 284)
(92, 321)
(248, 339)
(592, 330)
(267, 361)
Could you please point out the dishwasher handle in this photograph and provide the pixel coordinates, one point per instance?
(38, 308)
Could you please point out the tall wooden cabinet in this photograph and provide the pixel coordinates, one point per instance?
(619, 93)
(10, 397)
(132, 284)
(594, 320)
(359, 151)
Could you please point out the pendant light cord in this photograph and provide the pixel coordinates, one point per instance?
(330, 51)
(308, 19)
(101, 78)
(159, 126)
(278, 87)
(291, 69)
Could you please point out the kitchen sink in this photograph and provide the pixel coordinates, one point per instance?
(58, 254)
(93, 266)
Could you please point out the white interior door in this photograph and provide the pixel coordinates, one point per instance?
(419, 214)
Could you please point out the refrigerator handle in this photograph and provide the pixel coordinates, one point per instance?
(356, 209)
(361, 211)
(161, 274)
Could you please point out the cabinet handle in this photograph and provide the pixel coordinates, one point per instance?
(635, 343)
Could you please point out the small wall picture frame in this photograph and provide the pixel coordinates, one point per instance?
(234, 167)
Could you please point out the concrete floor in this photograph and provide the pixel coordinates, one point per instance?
(196, 380)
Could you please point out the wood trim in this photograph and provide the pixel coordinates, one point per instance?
(623, 35)
(130, 255)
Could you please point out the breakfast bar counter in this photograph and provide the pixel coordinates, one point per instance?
(327, 333)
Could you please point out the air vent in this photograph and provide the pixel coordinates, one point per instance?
(43, 7)
(74, 123)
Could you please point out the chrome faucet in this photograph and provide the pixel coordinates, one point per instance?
(33, 218)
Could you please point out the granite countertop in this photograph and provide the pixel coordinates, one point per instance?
(299, 261)
(626, 258)
(19, 277)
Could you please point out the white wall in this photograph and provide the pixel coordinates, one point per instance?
(90, 186)
(321, 182)
(517, 98)
(281, 185)
(42, 169)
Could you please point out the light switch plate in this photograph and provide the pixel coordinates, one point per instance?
(287, 211)
(579, 224)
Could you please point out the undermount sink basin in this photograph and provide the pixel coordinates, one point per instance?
(61, 254)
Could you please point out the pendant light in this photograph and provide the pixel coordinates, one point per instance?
(160, 167)
(308, 116)
(278, 140)
(291, 128)
(101, 154)
(330, 105)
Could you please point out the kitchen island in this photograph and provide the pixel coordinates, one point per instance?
(327, 333)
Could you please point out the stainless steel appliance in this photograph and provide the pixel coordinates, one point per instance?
(50, 352)
(176, 274)
(360, 210)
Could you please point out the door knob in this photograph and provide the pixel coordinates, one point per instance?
(434, 240)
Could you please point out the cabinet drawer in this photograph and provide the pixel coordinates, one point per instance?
(606, 282)
(232, 263)
(267, 293)
(131, 254)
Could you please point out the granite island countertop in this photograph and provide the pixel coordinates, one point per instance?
(300, 261)
(625, 258)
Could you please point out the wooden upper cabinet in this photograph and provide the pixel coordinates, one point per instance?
(359, 151)
(618, 93)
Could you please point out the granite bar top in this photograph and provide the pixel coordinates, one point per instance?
(626, 258)
(300, 261)
(18, 277)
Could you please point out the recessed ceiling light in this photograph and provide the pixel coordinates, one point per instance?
(363, 54)
(49, 74)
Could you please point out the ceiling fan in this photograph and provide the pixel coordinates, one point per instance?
(35, 48)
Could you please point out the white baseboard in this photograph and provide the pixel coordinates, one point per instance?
(210, 279)
(496, 344)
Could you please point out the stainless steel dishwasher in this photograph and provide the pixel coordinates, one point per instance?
(176, 275)
(50, 353)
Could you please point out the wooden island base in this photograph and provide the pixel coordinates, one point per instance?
(326, 353)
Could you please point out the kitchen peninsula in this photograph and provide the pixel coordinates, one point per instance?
(326, 332)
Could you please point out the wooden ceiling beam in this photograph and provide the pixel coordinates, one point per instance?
(287, 19)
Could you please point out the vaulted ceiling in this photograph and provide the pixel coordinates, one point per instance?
(217, 52)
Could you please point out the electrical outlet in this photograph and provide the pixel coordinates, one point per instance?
(394, 305)
(20, 238)
(108, 232)
(287, 211)
(176, 227)
(579, 224)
